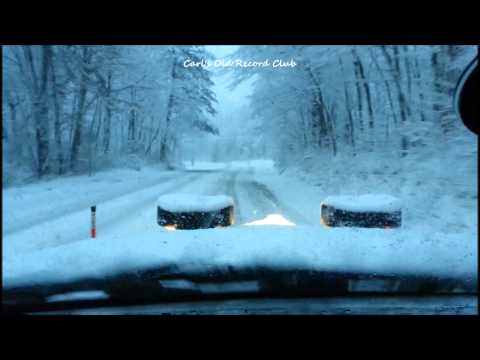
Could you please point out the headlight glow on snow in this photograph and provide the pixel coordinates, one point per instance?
(170, 227)
(272, 219)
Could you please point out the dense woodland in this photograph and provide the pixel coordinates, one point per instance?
(77, 109)
(350, 100)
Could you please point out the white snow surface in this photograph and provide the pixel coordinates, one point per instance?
(179, 202)
(370, 251)
(29, 205)
(129, 213)
(364, 203)
(439, 235)
(258, 164)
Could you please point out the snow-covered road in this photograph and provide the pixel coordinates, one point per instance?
(254, 200)
(133, 212)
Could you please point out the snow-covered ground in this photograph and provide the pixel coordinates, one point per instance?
(368, 251)
(437, 194)
(258, 164)
(129, 237)
(111, 213)
(364, 203)
(28, 205)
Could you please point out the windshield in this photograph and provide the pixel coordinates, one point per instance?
(177, 172)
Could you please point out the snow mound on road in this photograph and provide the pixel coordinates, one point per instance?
(364, 203)
(368, 251)
(193, 203)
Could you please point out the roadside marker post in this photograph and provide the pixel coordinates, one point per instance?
(94, 228)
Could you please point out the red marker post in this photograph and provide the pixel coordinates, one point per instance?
(94, 228)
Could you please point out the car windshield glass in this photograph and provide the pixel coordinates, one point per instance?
(299, 169)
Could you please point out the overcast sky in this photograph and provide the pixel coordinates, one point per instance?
(231, 103)
(221, 50)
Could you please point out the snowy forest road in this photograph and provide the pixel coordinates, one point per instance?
(255, 201)
(132, 213)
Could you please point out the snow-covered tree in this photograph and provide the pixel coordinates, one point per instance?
(76, 108)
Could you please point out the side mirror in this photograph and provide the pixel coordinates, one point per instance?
(467, 97)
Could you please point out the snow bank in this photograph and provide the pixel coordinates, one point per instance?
(29, 205)
(364, 203)
(438, 191)
(127, 214)
(369, 251)
(193, 202)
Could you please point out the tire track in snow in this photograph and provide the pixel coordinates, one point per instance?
(281, 207)
(258, 202)
(226, 186)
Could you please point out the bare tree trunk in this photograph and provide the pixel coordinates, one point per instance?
(132, 117)
(444, 82)
(40, 105)
(359, 101)
(13, 138)
(319, 109)
(58, 116)
(361, 76)
(108, 115)
(97, 118)
(99, 126)
(389, 96)
(418, 81)
(331, 130)
(170, 106)
(394, 64)
(139, 135)
(407, 70)
(163, 143)
(350, 127)
(152, 139)
(404, 108)
(82, 94)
